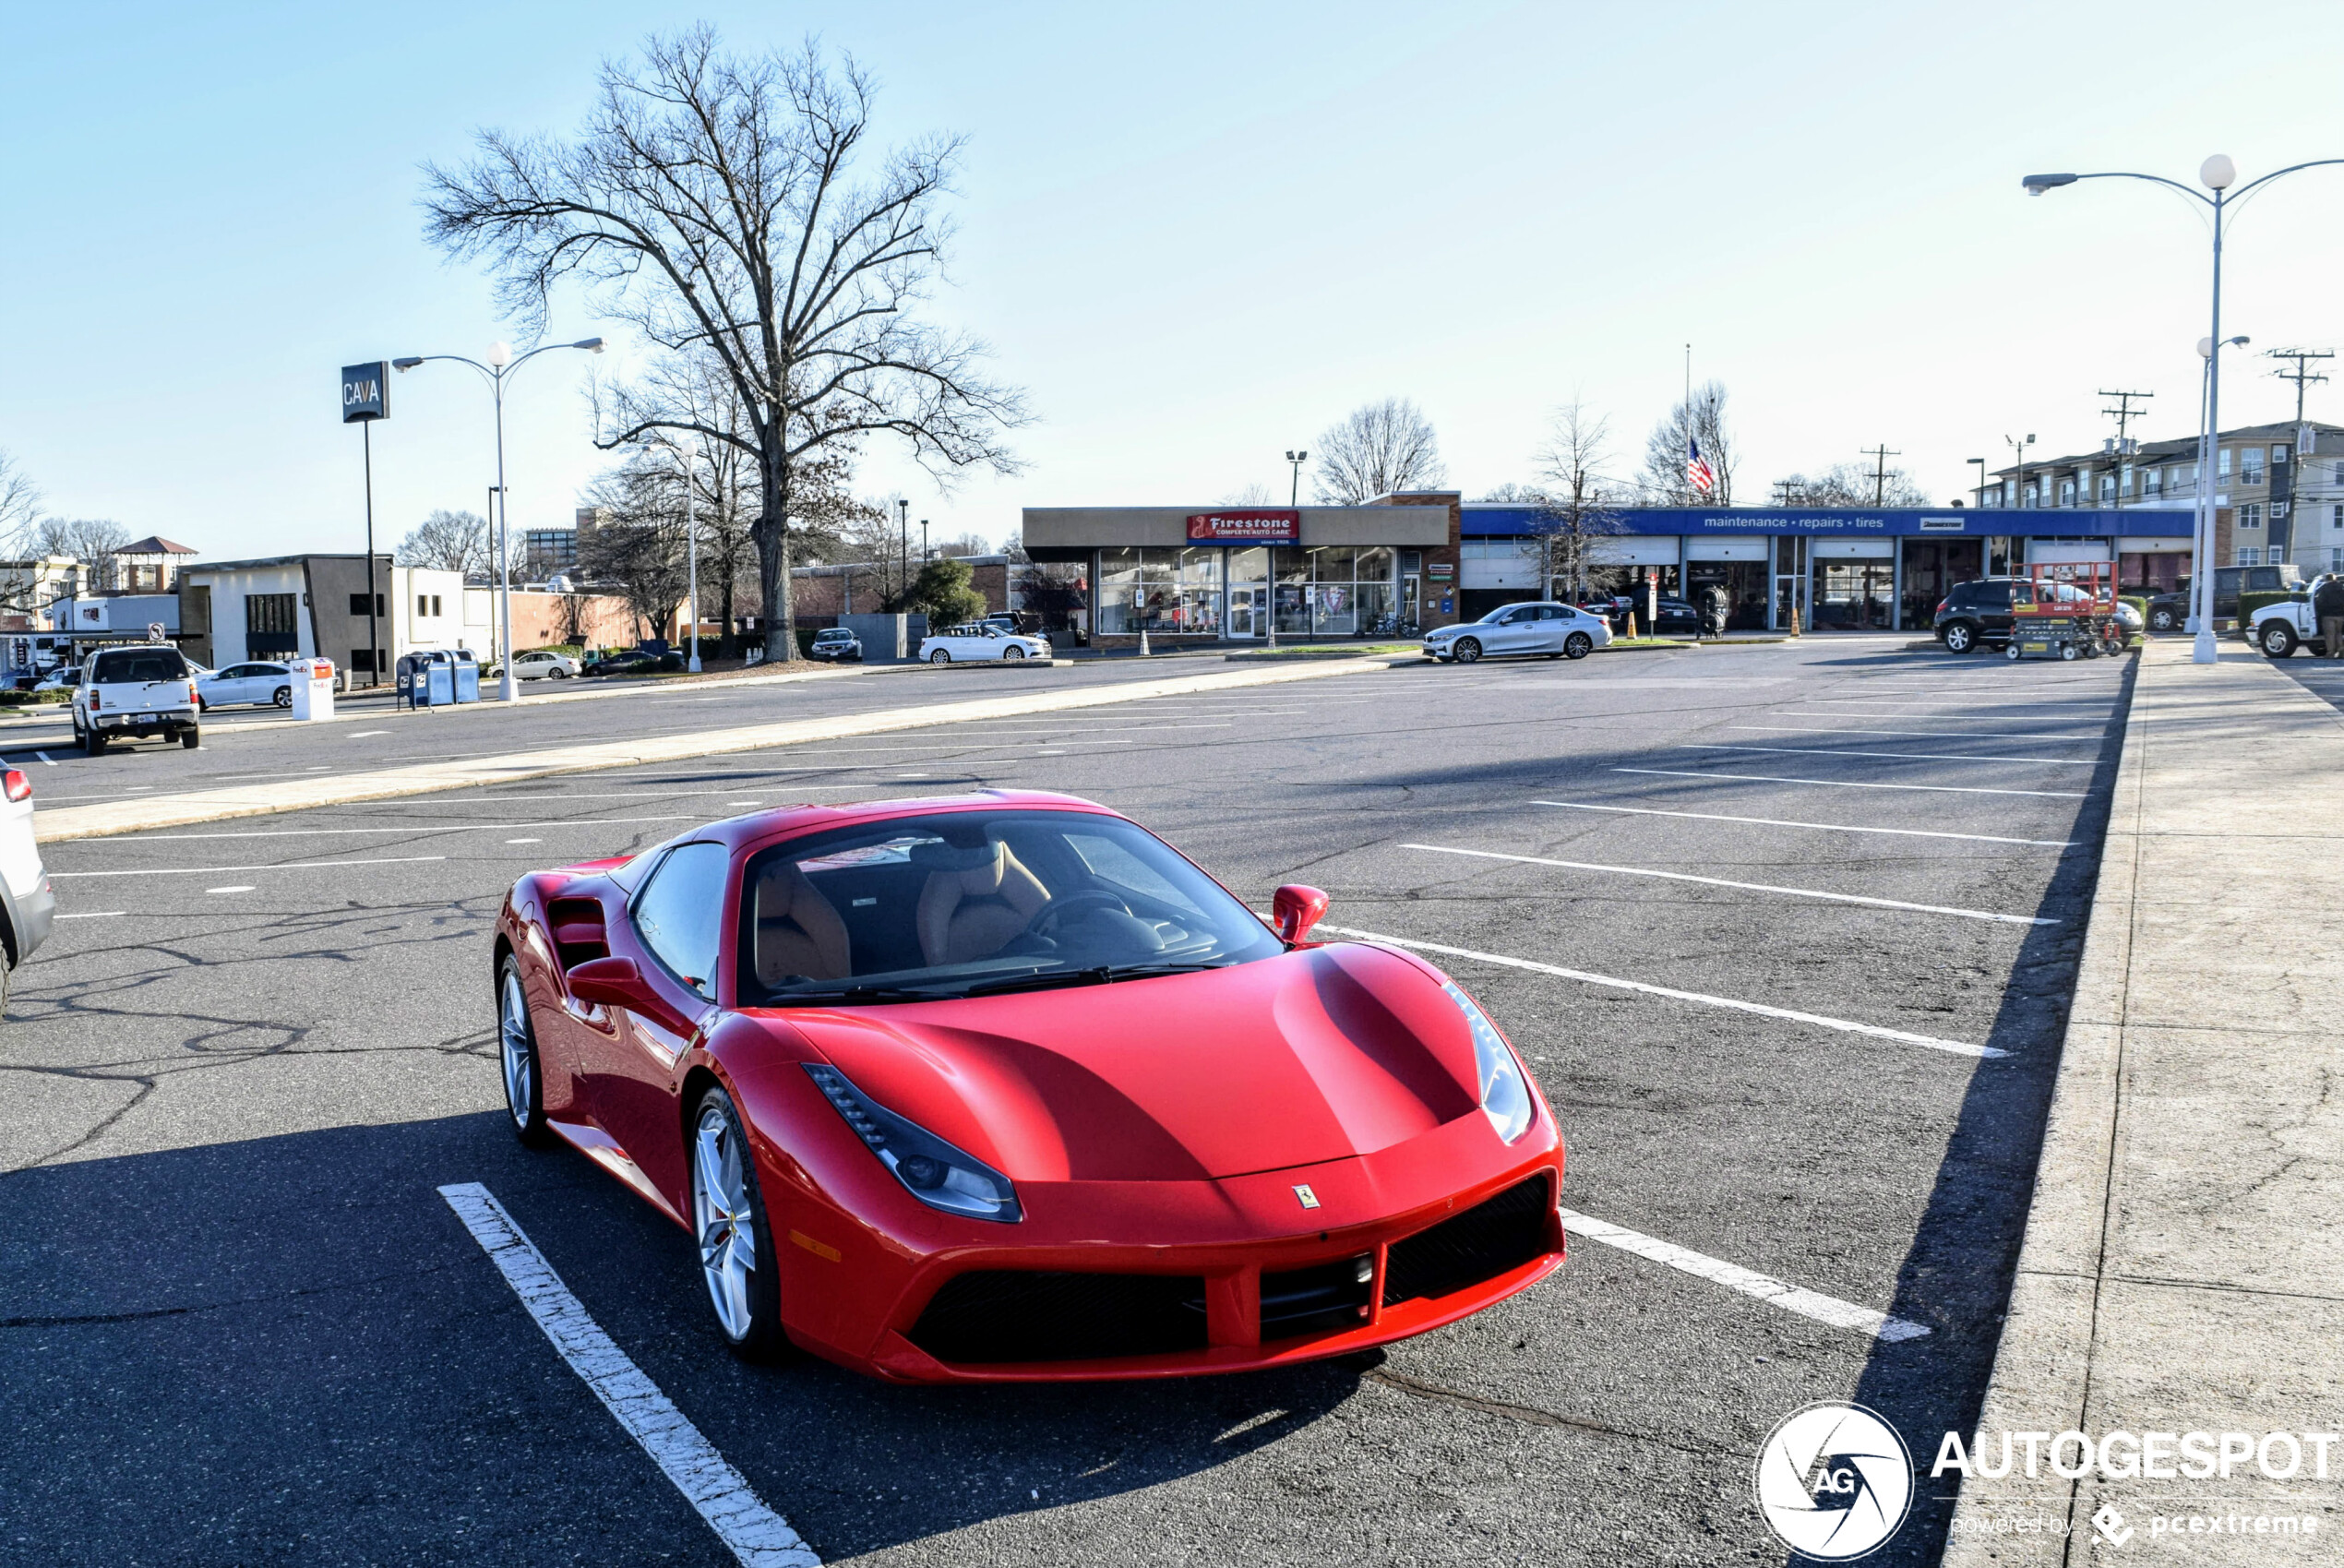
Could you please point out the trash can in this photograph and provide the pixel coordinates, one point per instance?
(464, 677)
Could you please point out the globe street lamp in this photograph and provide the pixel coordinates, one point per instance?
(501, 364)
(2218, 174)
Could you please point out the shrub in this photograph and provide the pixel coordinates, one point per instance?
(2250, 602)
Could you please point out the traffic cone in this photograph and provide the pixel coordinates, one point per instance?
(1632, 625)
(1794, 620)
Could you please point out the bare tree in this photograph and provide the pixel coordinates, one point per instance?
(964, 543)
(638, 547)
(450, 541)
(1850, 485)
(1255, 495)
(19, 503)
(91, 541)
(1574, 505)
(1380, 448)
(711, 200)
(1669, 450)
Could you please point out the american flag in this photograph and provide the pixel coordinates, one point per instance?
(1697, 471)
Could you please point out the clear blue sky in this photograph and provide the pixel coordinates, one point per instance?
(1196, 235)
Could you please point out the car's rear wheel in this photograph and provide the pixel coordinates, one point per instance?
(557, 672)
(1467, 650)
(942, 656)
(190, 736)
(284, 698)
(2278, 640)
(1578, 645)
(93, 743)
(1960, 636)
(730, 1227)
(517, 1050)
(1012, 653)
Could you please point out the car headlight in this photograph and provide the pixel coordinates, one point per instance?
(1505, 1094)
(930, 1169)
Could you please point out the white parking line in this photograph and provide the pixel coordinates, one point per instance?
(1746, 887)
(240, 887)
(411, 829)
(45, 758)
(756, 1535)
(1829, 826)
(1850, 783)
(1733, 1277)
(1899, 756)
(364, 734)
(96, 914)
(1925, 735)
(1843, 1025)
(289, 866)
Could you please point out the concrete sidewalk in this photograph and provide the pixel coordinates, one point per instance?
(2184, 1266)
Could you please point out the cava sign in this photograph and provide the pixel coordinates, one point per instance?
(365, 391)
(1246, 525)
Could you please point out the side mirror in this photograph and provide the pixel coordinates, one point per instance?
(1294, 909)
(613, 982)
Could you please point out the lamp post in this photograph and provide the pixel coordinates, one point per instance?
(501, 364)
(684, 456)
(2218, 174)
(1294, 495)
(903, 553)
(1982, 479)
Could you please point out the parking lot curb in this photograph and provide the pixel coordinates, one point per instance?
(2144, 1297)
(302, 795)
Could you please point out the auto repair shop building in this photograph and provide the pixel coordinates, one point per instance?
(1430, 558)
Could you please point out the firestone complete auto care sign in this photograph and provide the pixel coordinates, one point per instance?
(1246, 525)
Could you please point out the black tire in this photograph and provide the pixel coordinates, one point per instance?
(942, 656)
(1578, 645)
(522, 1067)
(2277, 639)
(557, 672)
(283, 698)
(191, 737)
(2161, 619)
(93, 744)
(1959, 637)
(1009, 654)
(762, 1339)
(1466, 650)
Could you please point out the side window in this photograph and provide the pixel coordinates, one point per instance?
(2022, 593)
(680, 911)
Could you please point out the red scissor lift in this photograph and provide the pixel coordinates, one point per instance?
(2074, 615)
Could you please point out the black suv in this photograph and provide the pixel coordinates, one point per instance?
(2169, 612)
(1978, 614)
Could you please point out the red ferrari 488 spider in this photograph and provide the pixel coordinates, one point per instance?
(1001, 1086)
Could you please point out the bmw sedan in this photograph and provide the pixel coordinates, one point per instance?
(1002, 1086)
(1555, 631)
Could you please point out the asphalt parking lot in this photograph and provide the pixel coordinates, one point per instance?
(1786, 932)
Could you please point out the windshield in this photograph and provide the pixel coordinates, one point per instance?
(130, 665)
(918, 908)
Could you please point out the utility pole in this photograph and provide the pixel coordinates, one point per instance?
(2302, 376)
(1880, 456)
(1783, 492)
(2124, 447)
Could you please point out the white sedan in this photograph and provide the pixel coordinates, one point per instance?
(543, 663)
(261, 683)
(1556, 631)
(974, 644)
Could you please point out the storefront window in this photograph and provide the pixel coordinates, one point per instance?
(1173, 592)
(1853, 595)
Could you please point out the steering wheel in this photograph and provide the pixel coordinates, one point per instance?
(1058, 908)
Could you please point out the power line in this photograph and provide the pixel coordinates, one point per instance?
(2302, 376)
(1880, 456)
(2123, 447)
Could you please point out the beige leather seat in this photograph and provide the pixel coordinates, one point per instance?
(969, 915)
(798, 932)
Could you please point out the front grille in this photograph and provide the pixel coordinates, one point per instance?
(1005, 1315)
(1312, 1300)
(1501, 1233)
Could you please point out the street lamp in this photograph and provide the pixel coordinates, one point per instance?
(904, 553)
(684, 456)
(1294, 496)
(2218, 174)
(1982, 479)
(2018, 485)
(500, 364)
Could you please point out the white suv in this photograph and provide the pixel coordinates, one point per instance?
(144, 690)
(28, 905)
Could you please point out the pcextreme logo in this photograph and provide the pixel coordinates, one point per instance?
(1833, 1481)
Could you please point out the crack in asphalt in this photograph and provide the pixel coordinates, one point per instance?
(1417, 1388)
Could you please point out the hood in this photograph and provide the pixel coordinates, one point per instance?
(1316, 1055)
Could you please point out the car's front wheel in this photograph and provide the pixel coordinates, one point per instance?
(2278, 640)
(1467, 650)
(1960, 636)
(1012, 653)
(517, 1050)
(942, 656)
(730, 1227)
(1578, 645)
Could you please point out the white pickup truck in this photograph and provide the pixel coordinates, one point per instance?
(144, 690)
(2278, 630)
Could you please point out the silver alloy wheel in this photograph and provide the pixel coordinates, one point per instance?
(1467, 650)
(1959, 637)
(1578, 645)
(722, 1220)
(1012, 652)
(520, 1055)
(942, 656)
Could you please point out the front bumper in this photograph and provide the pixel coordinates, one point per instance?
(1209, 1244)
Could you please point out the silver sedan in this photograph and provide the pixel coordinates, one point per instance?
(1556, 631)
